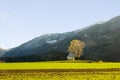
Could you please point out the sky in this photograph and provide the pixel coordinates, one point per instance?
(23, 20)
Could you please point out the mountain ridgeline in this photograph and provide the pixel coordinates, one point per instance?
(102, 43)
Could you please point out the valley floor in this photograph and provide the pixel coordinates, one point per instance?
(57, 65)
(59, 71)
(61, 74)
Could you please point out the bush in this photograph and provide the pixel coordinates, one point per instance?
(100, 61)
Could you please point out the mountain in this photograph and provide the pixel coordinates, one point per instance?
(2, 51)
(102, 43)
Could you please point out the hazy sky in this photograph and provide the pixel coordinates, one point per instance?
(23, 20)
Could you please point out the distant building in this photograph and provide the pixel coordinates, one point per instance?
(71, 56)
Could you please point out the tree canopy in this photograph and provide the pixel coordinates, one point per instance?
(76, 47)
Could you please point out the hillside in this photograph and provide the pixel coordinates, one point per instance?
(102, 43)
(2, 51)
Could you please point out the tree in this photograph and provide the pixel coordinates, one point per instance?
(76, 47)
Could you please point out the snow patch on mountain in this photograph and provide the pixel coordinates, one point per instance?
(51, 41)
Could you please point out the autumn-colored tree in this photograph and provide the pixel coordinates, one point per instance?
(76, 47)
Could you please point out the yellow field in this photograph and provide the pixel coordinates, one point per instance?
(59, 70)
(53, 65)
(78, 74)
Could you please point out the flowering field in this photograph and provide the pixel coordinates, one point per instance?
(59, 71)
(61, 74)
(57, 65)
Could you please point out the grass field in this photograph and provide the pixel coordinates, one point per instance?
(60, 70)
